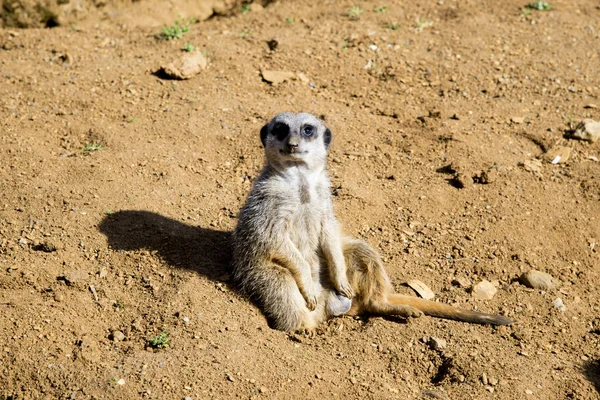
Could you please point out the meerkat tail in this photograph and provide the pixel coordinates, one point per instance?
(446, 311)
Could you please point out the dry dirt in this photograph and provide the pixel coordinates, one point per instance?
(421, 97)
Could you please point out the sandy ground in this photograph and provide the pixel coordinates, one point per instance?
(119, 189)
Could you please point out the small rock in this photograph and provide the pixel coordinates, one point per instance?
(533, 165)
(303, 78)
(58, 297)
(187, 66)
(437, 343)
(559, 305)
(74, 277)
(187, 398)
(493, 381)
(121, 382)
(117, 336)
(486, 177)
(558, 154)
(591, 105)
(484, 290)
(421, 288)
(464, 283)
(276, 77)
(273, 43)
(588, 130)
(537, 280)
(528, 392)
(46, 247)
(463, 180)
(230, 378)
(262, 389)
(484, 379)
(23, 242)
(517, 120)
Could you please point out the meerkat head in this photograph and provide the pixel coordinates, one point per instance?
(295, 139)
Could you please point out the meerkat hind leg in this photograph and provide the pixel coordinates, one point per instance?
(370, 282)
(277, 293)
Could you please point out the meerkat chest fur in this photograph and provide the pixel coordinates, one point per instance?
(309, 202)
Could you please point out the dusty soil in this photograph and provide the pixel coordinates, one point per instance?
(119, 189)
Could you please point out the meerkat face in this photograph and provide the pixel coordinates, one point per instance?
(296, 138)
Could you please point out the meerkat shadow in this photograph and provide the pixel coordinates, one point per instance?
(206, 251)
(591, 371)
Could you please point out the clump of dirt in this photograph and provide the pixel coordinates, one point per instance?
(450, 156)
(143, 13)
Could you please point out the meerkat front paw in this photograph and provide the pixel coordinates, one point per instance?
(311, 300)
(345, 289)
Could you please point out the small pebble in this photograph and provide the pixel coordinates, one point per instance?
(187, 398)
(421, 288)
(558, 304)
(118, 336)
(518, 120)
(437, 343)
(464, 283)
(58, 297)
(484, 379)
(587, 130)
(537, 280)
(484, 290)
(121, 382)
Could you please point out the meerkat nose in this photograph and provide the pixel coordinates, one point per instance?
(292, 145)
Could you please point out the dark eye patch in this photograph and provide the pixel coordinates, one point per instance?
(280, 131)
(308, 131)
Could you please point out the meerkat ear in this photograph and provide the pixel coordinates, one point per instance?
(264, 131)
(327, 137)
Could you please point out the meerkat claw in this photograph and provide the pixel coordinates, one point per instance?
(311, 302)
(346, 290)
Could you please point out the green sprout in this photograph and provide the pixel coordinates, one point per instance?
(175, 31)
(539, 5)
(89, 147)
(354, 12)
(189, 47)
(159, 342)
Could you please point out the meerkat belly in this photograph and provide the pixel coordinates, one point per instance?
(305, 231)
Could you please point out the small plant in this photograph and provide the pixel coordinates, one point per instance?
(245, 9)
(289, 21)
(244, 34)
(189, 47)
(89, 147)
(393, 27)
(539, 5)
(423, 24)
(354, 12)
(159, 342)
(381, 9)
(525, 12)
(175, 31)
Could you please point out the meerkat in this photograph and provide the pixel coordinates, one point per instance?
(289, 255)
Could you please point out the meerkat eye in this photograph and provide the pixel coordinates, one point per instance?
(280, 131)
(308, 130)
